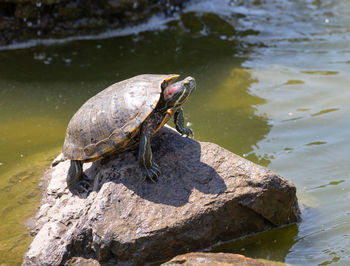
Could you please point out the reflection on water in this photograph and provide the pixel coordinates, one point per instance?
(272, 86)
(272, 245)
(227, 112)
(308, 43)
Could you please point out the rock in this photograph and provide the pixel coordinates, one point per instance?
(22, 20)
(78, 261)
(201, 258)
(205, 194)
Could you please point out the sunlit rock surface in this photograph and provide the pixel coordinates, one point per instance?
(205, 194)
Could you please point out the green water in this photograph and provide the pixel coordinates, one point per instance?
(273, 86)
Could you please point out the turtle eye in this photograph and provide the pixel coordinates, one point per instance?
(186, 82)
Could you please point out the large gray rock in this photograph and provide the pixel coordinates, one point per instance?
(205, 194)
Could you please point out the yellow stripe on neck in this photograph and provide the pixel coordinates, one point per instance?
(182, 94)
(166, 118)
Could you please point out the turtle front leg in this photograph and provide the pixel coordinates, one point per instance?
(179, 124)
(149, 168)
(76, 179)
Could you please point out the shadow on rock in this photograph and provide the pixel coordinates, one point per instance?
(179, 159)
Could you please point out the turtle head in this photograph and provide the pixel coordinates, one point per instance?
(177, 93)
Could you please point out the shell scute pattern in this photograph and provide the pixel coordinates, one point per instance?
(110, 121)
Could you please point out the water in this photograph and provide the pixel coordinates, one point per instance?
(272, 87)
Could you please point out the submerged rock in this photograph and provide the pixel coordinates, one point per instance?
(205, 194)
(200, 258)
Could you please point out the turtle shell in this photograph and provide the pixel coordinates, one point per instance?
(111, 120)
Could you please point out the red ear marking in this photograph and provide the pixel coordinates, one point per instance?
(171, 90)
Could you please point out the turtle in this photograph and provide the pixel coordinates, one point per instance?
(123, 116)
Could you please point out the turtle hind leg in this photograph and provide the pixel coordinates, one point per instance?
(76, 179)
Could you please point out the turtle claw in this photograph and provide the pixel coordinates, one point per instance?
(187, 132)
(84, 183)
(152, 173)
